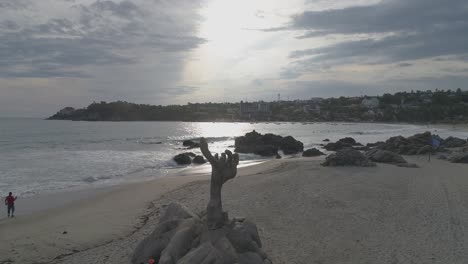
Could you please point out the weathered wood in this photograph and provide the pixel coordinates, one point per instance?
(223, 169)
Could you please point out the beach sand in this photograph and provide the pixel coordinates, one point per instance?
(305, 213)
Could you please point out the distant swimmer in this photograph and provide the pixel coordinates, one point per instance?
(10, 203)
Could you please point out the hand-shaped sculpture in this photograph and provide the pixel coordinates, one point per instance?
(223, 169)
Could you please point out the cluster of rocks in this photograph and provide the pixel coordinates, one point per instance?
(190, 144)
(267, 145)
(348, 157)
(187, 158)
(183, 237)
(313, 152)
(348, 150)
(413, 145)
(347, 142)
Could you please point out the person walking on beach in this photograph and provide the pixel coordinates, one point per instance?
(10, 203)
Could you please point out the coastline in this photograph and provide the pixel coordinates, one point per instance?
(305, 213)
(79, 220)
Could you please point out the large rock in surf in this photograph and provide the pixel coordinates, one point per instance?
(343, 143)
(183, 159)
(190, 144)
(267, 145)
(313, 152)
(290, 145)
(348, 157)
(417, 144)
(384, 156)
(199, 160)
(453, 142)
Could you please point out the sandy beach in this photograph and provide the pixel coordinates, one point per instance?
(306, 213)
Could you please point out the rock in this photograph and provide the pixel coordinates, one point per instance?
(199, 160)
(190, 144)
(453, 142)
(155, 243)
(181, 242)
(265, 150)
(414, 145)
(384, 156)
(461, 157)
(250, 258)
(290, 145)
(181, 237)
(190, 154)
(182, 159)
(313, 152)
(348, 140)
(348, 157)
(424, 150)
(267, 145)
(336, 146)
(176, 211)
(326, 140)
(278, 156)
(361, 148)
(408, 165)
(376, 144)
(204, 254)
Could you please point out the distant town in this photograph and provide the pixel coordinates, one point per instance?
(439, 106)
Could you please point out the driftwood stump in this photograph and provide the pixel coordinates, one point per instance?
(223, 169)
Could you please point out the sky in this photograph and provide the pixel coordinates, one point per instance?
(58, 53)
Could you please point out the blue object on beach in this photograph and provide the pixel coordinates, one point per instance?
(435, 142)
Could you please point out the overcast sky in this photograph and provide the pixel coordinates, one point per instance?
(57, 53)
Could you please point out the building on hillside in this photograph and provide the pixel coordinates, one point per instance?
(370, 103)
(256, 110)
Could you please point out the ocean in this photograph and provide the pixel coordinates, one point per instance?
(45, 156)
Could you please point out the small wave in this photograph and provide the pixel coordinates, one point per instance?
(90, 179)
(150, 142)
(367, 133)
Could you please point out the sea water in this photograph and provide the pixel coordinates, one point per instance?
(44, 156)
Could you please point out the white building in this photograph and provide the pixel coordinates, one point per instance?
(370, 103)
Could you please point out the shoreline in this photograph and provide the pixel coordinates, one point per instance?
(102, 216)
(305, 213)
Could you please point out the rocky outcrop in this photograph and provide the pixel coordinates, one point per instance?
(417, 144)
(267, 145)
(335, 146)
(183, 159)
(190, 144)
(187, 158)
(453, 142)
(384, 156)
(313, 152)
(183, 237)
(343, 143)
(348, 157)
(290, 145)
(460, 157)
(199, 160)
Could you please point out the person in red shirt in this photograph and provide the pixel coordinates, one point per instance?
(10, 203)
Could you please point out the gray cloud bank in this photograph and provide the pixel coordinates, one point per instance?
(391, 31)
(55, 53)
(100, 33)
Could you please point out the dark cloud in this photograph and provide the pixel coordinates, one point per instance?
(391, 31)
(386, 16)
(101, 33)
